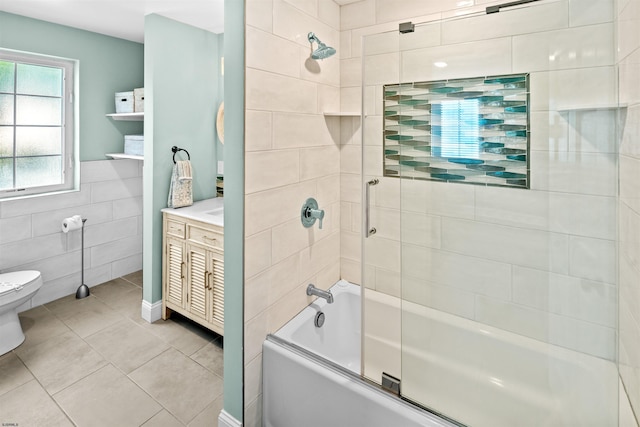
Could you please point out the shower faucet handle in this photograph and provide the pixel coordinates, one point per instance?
(318, 214)
(310, 213)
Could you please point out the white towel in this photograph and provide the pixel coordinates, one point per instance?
(180, 191)
(184, 170)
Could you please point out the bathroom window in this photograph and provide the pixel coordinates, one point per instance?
(36, 124)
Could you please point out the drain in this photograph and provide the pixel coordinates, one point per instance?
(319, 320)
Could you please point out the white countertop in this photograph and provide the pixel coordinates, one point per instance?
(210, 211)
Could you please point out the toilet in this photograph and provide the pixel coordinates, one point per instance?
(16, 288)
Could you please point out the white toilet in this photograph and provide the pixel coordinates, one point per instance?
(16, 288)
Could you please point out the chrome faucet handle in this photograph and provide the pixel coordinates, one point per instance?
(310, 213)
(318, 214)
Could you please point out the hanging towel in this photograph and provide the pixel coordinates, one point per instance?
(180, 191)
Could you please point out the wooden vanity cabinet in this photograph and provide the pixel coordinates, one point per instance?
(193, 271)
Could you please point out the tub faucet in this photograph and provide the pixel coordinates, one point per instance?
(312, 290)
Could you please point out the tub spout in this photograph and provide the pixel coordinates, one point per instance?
(312, 290)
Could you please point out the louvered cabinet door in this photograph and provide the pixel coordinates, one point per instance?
(216, 291)
(175, 271)
(197, 279)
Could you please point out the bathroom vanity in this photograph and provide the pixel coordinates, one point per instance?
(193, 263)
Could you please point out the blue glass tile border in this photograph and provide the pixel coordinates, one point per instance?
(471, 131)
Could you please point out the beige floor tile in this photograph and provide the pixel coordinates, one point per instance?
(208, 417)
(70, 344)
(60, 361)
(107, 398)
(135, 278)
(30, 405)
(38, 325)
(181, 334)
(127, 345)
(85, 316)
(131, 306)
(112, 292)
(164, 419)
(13, 373)
(211, 357)
(181, 385)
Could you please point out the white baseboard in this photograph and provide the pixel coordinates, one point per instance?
(226, 420)
(151, 312)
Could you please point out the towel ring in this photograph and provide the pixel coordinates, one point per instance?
(175, 150)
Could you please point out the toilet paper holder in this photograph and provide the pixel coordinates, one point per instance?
(69, 224)
(83, 290)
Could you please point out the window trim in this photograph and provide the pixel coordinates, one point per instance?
(70, 114)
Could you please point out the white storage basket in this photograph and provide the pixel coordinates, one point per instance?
(134, 145)
(124, 102)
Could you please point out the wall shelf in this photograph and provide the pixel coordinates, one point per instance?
(132, 117)
(570, 108)
(124, 156)
(339, 114)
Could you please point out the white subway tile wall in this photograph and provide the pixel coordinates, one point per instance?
(628, 20)
(293, 153)
(110, 198)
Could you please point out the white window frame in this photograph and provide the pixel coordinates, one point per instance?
(70, 158)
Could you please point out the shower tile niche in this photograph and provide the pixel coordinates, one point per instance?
(473, 131)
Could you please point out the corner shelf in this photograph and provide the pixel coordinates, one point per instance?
(339, 114)
(131, 117)
(124, 156)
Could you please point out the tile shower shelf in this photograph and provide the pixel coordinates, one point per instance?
(339, 114)
(567, 109)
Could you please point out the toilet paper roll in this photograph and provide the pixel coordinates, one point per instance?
(71, 223)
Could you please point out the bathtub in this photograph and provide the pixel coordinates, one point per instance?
(311, 376)
(476, 374)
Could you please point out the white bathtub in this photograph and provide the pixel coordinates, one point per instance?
(301, 389)
(478, 375)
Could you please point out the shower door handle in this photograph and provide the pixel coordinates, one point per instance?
(369, 230)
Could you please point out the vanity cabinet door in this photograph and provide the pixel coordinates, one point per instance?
(175, 271)
(197, 281)
(216, 291)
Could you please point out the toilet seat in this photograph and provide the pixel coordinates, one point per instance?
(6, 287)
(19, 277)
(16, 280)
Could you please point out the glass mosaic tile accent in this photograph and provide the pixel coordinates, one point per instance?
(473, 131)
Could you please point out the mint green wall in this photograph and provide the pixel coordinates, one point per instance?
(220, 145)
(107, 65)
(181, 98)
(234, 207)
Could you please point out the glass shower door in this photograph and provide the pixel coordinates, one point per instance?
(490, 280)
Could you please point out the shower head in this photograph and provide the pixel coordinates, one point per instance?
(323, 51)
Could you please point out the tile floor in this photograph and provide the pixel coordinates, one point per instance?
(95, 362)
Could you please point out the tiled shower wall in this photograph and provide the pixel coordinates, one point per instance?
(292, 153)
(110, 197)
(538, 262)
(629, 205)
